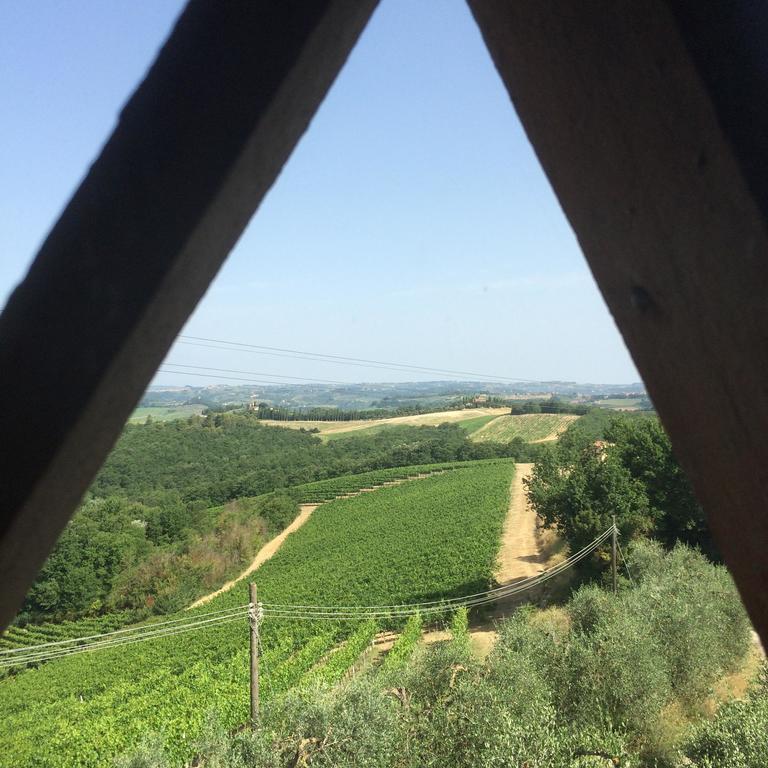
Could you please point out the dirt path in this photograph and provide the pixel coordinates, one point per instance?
(520, 555)
(269, 549)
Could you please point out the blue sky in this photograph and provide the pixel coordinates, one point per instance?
(413, 222)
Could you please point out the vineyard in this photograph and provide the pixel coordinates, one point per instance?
(325, 490)
(531, 427)
(432, 539)
(16, 637)
(308, 493)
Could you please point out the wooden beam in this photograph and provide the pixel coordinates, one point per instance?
(194, 152)
(640, 115)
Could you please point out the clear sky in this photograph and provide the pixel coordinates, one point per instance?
(413, 222)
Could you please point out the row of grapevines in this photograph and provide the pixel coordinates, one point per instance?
(342, 659)
(404, 646)
(295, 668)
(460, 628)
(325, 490)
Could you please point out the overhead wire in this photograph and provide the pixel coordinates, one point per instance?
(426, 604)
(219, 377)
(36, 653)
(170, 632)
(626, 564)
(255, 373)
(124, 630)
(339, 359)
(58, 649)
(440, 606)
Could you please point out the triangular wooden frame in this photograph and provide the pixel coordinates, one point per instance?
(648, 118)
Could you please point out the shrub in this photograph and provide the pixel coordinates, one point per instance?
(738, 735)
(684, 597)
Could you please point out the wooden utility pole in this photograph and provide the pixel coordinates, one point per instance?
(253, 620)
(613, 555)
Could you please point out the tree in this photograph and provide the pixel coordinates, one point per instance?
(579, 488)
(578, 485)
(645, 450)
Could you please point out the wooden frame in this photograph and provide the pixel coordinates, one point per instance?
(649, 119)
(195, 150)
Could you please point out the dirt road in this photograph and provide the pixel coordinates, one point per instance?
(520, 554)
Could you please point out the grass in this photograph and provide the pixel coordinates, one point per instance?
(531, 427)
(619, 402)
(472, 425)
(163, 413)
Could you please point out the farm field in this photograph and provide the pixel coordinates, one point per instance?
(620, 403)
(161, 413)
(331, 429)
(433, 538)
(531, 427)
(472, 425)
(325, 490)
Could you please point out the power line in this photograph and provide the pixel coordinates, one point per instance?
(626, 564)
(44, 651)
(114, 632)
(502, 591)
(58, 649)
(341, 359)
(256, 373)
(219, 376)
(117, 642)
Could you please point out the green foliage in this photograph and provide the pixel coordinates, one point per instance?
(681, 595)
(404, 646)
(231, 455)
(121, 556)
(342, 659)
(163, 488)
(578, 486)
(295, 668)
(321, 727)
(460, 629)
(578, 489)
(418, 541)
(738, 735)
(105, 538)
(668, 639)
(526, 428)
(594, 424)
(414, 542)
(588, 688)
(553, 405)
(644, 449)
(325, 490)
(615, 670)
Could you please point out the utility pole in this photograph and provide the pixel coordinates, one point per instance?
(253, 620)
(613, 555)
